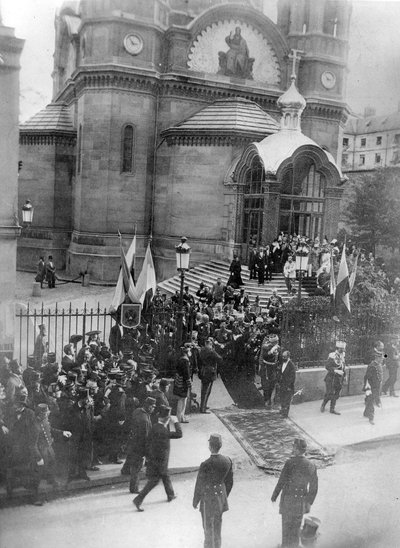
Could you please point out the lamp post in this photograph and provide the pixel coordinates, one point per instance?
(27, 214)
(182, 252)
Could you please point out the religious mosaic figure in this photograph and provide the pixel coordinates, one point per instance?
(236, 61)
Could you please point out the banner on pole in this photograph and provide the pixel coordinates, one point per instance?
(130, 315)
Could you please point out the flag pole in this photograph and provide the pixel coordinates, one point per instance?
(134, 257)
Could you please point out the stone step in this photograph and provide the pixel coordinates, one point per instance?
(209, 272)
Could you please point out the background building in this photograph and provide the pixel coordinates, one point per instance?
(155, 104)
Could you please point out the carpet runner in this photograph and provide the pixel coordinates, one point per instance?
(268, 438)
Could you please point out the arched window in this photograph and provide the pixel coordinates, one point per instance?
(302, 199)
(253, 204)
(331, 17)
(128, 143)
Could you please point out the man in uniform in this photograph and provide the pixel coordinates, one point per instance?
(269, 359)
(158, 456)
(298, 483)
(335, 377)
(213, 485)
(287, 378)
(209, 360)
(373, 382)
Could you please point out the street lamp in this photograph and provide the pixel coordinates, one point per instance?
(27, 213)
(182, 252)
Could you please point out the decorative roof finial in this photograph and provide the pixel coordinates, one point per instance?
(292, 103)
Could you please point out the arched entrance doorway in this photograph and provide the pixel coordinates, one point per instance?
(253, 207)
(302, 199)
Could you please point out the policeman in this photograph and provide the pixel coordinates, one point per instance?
(298, 483)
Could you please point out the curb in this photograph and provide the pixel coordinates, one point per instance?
(21, 496)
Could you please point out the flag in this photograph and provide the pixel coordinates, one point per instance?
(332, 286)
(146, 284)
(343, 285)
(119, 294)
(353, 274)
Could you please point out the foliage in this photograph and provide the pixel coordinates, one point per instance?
(374, 206)
(371, 285)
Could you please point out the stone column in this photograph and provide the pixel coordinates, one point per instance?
(10, 51)
(271, 209)
(333, 196)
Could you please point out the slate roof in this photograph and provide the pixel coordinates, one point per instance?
(55, 119)
(228, 117)
(373, 124)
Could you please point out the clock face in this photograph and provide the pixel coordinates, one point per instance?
(328, 79)
(133, 44)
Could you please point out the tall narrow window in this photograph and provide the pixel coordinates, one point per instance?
(79, 162)
(128, 135)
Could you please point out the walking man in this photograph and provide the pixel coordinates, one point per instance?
(157, 463)
(298, 483)
(213, 485)
(373, 382)
(287, 378)
(209, 360)
(138, 442)
(335, 377)
(269, 359)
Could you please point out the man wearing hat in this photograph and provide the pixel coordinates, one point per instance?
(45, 443)
(213, 485)
(298, 484)
(335, 377)
(158, 456)
(15, 382)
(138, 441)
(68, 360)
(160, 395)
(116, 417)
(41, 344)
(269, 362)
(209, 360)
(373, 382)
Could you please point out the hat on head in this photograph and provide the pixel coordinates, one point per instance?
(51, 357)
(340, 344)
(164, 411)
(74, 339)
(300, 444)
(164, 382)
(215, 439)
(379, 348)
(149, 401)
(273, 338)
(42, 408)
(31, 361)
(91, 333)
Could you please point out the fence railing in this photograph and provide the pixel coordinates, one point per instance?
(310, 332)
(60, 324)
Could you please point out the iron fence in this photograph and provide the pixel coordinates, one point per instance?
(309, 333)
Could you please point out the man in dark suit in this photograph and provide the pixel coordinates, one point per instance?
(157, 462)
(213, 485)
(138, 442)
(298, 483)
(286, 379)
(209, 360)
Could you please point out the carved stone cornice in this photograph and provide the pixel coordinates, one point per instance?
(208, 140)
(325, 110)
(27, 137)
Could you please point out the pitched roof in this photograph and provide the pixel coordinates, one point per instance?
(373, 124)
(228, 117)
(55, 118)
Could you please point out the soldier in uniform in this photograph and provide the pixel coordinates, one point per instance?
(373, 382)
(115, 417)
(298, 483)
(269, 361)
(213, 485)
(209, 360)
(335, 377)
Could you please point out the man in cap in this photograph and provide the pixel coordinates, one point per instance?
(373, 382)
(335, 377)
(209, 360)
(269, 361)
(138, 441)
(45, 443)
(213, 485)
(158, 456)
(298, 483)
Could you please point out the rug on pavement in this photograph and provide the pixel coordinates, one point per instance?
(268, 438)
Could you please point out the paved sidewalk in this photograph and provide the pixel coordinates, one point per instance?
(333, 431)
(186, 453)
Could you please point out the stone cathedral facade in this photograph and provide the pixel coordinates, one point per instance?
(200, 118)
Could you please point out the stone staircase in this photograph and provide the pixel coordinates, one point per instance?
(209, 272)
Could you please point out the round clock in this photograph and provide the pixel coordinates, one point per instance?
(133, 44)
(328, 79)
